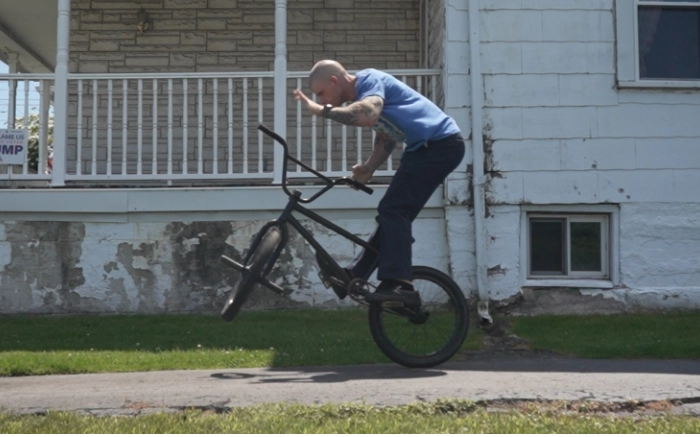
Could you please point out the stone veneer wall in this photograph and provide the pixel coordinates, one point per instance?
(238, 35)
(221, 36)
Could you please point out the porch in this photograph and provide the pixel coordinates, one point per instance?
(192, 123)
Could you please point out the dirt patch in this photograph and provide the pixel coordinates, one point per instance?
(582, 407)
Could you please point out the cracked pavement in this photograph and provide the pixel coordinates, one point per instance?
(477, 378)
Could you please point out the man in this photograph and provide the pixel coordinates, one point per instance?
(434, 148)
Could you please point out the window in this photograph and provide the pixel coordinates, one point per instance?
(569, 246)
(573, 246)
(658, 42)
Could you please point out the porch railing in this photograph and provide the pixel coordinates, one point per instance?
(25, 103)
(186, 127)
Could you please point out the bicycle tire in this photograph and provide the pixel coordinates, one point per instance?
(259, 260)
(381, 320)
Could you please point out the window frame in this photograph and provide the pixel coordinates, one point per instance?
(627, 44)
(579, 213)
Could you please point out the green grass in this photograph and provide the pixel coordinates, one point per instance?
(92, 344)
(672, 335)
(440, 417)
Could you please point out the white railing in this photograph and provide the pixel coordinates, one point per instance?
(25, 103)
(170, 127)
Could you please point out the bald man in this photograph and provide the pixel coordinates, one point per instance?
(434, 148)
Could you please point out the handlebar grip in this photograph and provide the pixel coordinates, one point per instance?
(358, 185)
(364, 188)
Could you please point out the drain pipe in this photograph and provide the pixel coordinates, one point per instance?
(479, 179)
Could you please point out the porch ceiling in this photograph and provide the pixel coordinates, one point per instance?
(28, 27)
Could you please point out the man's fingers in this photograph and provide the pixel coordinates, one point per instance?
(298, 95)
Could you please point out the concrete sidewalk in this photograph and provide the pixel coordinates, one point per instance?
(548, 378)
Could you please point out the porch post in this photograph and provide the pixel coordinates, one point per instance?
(280, 100)
(44, 129)
(12, 66)
(58, 178)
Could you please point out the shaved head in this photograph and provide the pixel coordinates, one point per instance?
(324, 70)
(331, 83)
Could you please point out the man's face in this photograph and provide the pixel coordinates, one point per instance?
(328, 91)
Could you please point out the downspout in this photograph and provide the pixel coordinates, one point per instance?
(479, 179)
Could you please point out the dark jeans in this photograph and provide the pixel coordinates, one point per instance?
(418, 176)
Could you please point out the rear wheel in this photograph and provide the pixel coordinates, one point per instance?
(259, 261)
(427, 336)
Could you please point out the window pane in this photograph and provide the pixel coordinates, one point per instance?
(585, 247)
(669, 43)
(547, 246)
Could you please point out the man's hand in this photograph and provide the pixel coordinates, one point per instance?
(362, 173)
(314, 107)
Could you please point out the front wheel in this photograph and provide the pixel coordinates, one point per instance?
(427, 336)
(259, 261)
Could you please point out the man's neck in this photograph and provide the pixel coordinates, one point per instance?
(351, 91)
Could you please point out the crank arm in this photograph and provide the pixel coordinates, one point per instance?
(241, 268)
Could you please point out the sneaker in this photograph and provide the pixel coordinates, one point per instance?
(393, 293)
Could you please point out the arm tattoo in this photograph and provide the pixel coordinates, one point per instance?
(387, 142)
(361, 113)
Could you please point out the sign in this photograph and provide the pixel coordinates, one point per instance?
(13, 146)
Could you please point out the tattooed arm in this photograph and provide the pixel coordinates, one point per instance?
(364, 113)
(383, 146)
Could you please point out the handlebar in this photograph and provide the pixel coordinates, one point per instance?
(330, 183)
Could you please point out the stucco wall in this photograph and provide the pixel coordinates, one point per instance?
(151, 267)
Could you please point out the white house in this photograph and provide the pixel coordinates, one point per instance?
(578, 194)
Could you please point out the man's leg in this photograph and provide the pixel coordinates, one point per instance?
(366, 261)
(420, 173)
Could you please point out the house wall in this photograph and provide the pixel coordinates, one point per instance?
(220, 36)
(559, 131)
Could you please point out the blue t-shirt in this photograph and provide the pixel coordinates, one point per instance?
(407, 116)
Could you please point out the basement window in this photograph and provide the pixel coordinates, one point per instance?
(567, 248)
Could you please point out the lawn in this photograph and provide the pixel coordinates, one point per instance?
(90, 344)
(671, 335)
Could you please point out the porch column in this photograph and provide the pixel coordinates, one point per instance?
(12, 67)
(280, 84)
(60, 141)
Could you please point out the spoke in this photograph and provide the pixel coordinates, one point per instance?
(431, 336)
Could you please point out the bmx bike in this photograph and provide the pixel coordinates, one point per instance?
(413, 335)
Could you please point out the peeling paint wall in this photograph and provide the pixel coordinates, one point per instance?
(54, 268)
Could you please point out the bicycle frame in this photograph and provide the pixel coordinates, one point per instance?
(287, 218)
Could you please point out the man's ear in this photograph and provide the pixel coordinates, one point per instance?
(334, 80)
